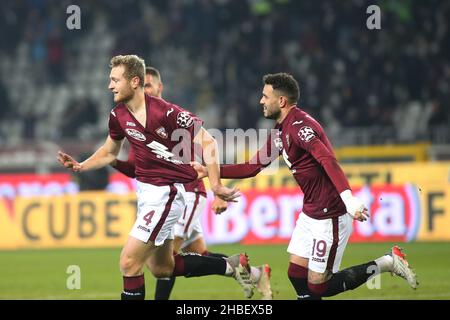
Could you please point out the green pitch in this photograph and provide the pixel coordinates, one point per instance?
(42, 274)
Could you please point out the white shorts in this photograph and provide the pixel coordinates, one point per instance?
(188, 227)
(321, 241)
(159, 208)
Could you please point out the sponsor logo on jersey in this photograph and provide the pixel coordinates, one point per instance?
(162, 132)
(318, 259)
(184, 119)
(287, 139)
(131, 124)
(162, 152)
(135, 134)
(297, 122)
(306, 134)
(169, 112)
(278, 143)
(143, 228)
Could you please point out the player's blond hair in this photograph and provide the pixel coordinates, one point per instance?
(134, 66)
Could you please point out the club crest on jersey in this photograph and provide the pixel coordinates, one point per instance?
(306, 134)
(184, 119)
(162, 132)
(135, 134)
(278, 143)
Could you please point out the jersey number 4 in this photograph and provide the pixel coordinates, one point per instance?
(148, 217)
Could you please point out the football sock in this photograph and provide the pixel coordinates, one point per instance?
(133, 288)
(385, 263)
(195, 265)
(298, 276)
(163, 288)
(255, 274)
(347, 279)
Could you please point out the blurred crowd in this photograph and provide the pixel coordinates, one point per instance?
(212, 55)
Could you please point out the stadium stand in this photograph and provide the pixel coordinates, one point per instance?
(367, 87)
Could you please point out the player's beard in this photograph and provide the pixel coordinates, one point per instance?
(124, 96)
(271, 112)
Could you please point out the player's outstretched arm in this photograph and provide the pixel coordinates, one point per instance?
(211, 158)
(202, 171)
(68, 162)
(355, 207)
(260, 160)
(105, 155)
(264, 157)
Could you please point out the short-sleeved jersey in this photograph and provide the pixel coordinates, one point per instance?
(307, 152)
(153, 146)
(309, 155)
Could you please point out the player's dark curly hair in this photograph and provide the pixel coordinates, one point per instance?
(285, 84)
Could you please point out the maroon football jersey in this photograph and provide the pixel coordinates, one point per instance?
(196, 186)
(158, 148)
(128, 168)
(309, 155)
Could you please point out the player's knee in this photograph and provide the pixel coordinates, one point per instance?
(317, 278)
(161, 271)
(129, 266)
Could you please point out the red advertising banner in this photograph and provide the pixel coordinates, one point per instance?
(262, 215)
(27, 185)
(12, 185)
(269, 216)
(395, 214)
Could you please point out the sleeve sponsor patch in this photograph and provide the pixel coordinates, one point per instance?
(306, 134)
(184, 119)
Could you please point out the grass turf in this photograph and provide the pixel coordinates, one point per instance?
(42, 274)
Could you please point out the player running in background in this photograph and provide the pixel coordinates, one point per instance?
(325, 223)
(148, 123)
(188, 231)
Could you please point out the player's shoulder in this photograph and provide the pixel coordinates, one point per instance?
(173, 114)
(118, 109)
(157, 101)
(303, 125)
(301, 118)
(161, 106)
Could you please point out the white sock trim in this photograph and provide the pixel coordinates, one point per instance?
(385, 263)
(255, 274)
(229, 271)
